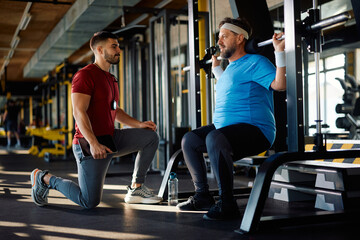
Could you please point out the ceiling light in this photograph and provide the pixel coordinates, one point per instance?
(11, 53)
(24, 21)
(15, 42)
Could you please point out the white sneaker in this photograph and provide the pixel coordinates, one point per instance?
(141, 195)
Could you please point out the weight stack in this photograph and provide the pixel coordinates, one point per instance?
(331, 186)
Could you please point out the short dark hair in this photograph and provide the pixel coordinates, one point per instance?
(240, 22)
(100, 37)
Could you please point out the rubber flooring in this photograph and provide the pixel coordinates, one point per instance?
(20, 218)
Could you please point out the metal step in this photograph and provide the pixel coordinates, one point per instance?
(332, 186)
(327, 175)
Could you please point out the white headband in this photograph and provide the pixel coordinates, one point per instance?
(235, 29)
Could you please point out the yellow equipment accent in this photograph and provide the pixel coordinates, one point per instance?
(58, 150)
(34, 150)
(59, 67)
(45, 78)
(202, 6)
(48, 134)
(339, 144)
(2, 132)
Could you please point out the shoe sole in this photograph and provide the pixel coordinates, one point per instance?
(206, 217)
(137, 199)
(33, 183)
(194, 209)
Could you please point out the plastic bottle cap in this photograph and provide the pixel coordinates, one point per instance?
(172, 175)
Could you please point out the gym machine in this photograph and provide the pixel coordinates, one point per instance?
(42, 135)
(58, 84)
(163, 83)
(350, 108)
(296, 30)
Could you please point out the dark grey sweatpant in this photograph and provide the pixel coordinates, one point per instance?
(223, 145)
(92, 172)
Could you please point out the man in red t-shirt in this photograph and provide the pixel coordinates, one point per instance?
(95, 95)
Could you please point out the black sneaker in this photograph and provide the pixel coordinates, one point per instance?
(198, 202)
(223, 211)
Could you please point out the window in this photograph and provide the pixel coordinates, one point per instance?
(331, 92)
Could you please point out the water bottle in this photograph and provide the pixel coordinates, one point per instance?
(173, 189)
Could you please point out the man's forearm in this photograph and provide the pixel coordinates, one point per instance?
(123, 118)
(279, 83)
(83, 122)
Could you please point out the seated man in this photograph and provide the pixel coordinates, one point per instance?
(244, 121)
(94, 96)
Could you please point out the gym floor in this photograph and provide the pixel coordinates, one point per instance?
(114, 219)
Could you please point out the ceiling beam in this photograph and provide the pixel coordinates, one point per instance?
(76, 28)
(44, 1)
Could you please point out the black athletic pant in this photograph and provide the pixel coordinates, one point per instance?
(223, 145)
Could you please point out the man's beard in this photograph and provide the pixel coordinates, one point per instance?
(112, 59)
(228, 52)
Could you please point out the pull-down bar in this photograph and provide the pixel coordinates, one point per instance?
(314, 27)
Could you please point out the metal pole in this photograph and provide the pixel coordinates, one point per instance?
(67, 102)
(294, 86)
(179, 93)
(317, 49)
(167, 85)
(318, 106)
(317, 80)
(269, 41)
(305, 55)
(153, 105)
(194, 81)
(329, 21)
(315, 4)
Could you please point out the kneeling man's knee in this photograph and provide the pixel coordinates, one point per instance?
(92, 203)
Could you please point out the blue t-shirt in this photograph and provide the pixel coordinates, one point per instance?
(243, 95)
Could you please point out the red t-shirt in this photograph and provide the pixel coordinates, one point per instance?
(103, 88)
